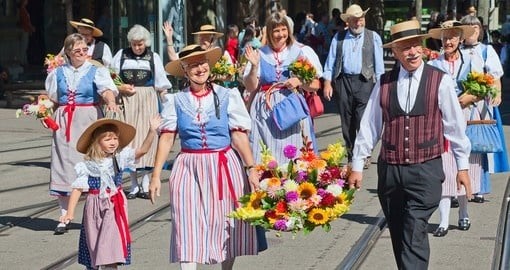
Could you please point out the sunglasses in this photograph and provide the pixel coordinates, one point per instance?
(83, 50)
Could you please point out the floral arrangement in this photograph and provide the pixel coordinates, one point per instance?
(53, 61)
(303, 70)
(429, 54)
(117, 80)
(307, 192)
(41, 109)
(223, 70)
(480, 84)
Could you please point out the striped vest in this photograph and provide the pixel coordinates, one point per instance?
(417, 136)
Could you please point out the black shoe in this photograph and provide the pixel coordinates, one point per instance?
(454, 203)
(131, 196)
(464, 224)
(143, 195)
(440, 232)
(60, 230)
(478, 199)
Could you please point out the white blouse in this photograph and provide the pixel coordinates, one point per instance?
(238, 117)
(104, 170)
(102, 79)
(161, 82)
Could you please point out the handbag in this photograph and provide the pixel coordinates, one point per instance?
(288, 112)
(483, 135)
(314, 103)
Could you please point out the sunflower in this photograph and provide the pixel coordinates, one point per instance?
(256, 199)
(318, 216)
(306, 190)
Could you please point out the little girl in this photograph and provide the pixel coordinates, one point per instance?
(105, 238)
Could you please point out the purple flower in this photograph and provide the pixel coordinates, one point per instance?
(272, 165)
(321, 192)
(290, 151)
(301, 176)
(280, 225)
(291, 196)
(341, 182)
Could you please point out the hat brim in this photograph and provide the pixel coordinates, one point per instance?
(175, 67)
(96, 32)
(467, 31)
(390, 44)
(345, 16)
(216, 34)
(126, 134)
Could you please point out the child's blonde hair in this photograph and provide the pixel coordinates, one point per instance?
(94, 151)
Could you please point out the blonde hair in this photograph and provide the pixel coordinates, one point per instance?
(94, 151)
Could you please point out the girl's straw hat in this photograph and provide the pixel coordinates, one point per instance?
(126, 134)
(208, 29)
(176, 68)
(404, 31)
(96, 32)
(467, 30)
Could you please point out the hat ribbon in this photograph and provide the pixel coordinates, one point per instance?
(405, 33)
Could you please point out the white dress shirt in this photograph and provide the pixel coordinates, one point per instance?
(371, 126)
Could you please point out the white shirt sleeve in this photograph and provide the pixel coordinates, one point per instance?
(371, 126)
(51, 85)
(454, 123)
(107, 56)
(161, 82)
(238, 117)
(115, 64)
(82, 176)
(169, 114)
(126, 159)
(493, 64)
(104, 81)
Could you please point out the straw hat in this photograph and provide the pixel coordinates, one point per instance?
(175, 67)
(96, 32)
(126, 134)
(353, 11)
(208, 29)
(404, 31)
(467, 30)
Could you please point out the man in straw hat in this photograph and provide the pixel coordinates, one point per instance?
(405, 113)
(355, 62)
(98, 50)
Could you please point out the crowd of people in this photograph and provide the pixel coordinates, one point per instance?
(418, 110)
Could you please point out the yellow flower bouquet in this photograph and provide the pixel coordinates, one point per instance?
(223, 70)
(307, 192)
(303, 70)
(480, 84)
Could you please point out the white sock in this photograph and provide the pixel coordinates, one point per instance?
(134, 183)
(463, 204)
(63, 202)
(188, 266)
(227, 264)
(444, 212)
(145, 181)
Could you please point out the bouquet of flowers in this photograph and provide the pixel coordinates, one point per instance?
(223, 70)
(53, 61)
(480, 84)
(117, 80)
(307, 192)
(429, 54)
(41, 109)
(303, 70)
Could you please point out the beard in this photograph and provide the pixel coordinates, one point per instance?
(357, 31)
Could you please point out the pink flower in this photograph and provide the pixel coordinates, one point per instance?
(272, 165)
(290, 151)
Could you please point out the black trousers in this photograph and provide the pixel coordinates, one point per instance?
(409, 194)
(351, 95)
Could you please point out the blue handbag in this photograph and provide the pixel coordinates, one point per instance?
(289, 111)
(483, 135)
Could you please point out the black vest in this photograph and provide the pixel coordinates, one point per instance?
(97, 54)
(367, 55)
